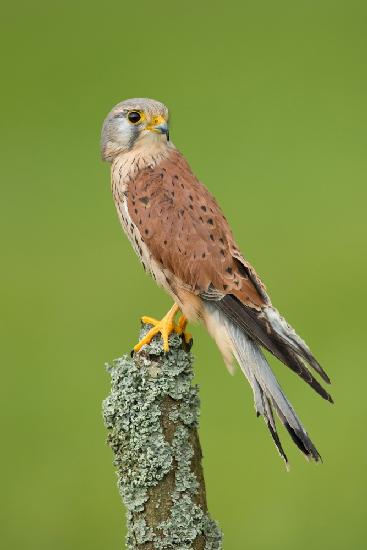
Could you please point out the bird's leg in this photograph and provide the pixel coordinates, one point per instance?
(165, 326)
(181, 329)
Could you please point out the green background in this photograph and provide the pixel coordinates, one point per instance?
(268, 103)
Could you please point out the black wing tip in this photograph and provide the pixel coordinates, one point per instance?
(318, 368)
(294, 357)
(297, 365)
(320, 390)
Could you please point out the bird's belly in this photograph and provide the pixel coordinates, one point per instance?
(133, 234)
(186, 300)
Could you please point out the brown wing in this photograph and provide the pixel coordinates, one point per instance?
(186, 232)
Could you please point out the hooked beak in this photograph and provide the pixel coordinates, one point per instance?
(158, 125)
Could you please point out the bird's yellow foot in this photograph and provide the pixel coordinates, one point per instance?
(165, 326)
(181, 329)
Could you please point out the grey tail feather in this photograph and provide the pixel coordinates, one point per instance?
(271, 331)
(267, 412)
(268, 394)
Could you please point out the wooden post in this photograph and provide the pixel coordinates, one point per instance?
(152, 418)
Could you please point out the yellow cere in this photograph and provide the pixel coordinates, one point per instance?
(155, 121)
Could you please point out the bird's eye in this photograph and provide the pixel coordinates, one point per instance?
(134, 117)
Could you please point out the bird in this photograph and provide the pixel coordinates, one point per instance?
(184, 241)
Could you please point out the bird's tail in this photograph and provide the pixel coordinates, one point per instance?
(268, 395)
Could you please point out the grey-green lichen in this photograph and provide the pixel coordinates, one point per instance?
(152, 416)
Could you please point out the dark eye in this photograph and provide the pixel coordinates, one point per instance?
(134, 117)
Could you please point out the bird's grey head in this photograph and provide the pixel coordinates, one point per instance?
(134, 123)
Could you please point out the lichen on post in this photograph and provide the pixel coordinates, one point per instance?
(152, 417)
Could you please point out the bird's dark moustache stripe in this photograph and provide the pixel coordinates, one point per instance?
(135, 133)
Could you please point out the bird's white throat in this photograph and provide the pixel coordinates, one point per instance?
(126, 166)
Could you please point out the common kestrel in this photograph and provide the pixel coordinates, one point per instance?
(184, 241)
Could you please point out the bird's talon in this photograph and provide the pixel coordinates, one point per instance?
(149, 320)
(165, 326)
(187, 337)
(187, 342)
(181, 325)
(181, 328)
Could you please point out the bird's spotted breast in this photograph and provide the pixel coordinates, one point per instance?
(187, 233)
(123, 173)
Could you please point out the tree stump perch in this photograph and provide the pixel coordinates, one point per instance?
(152, 416)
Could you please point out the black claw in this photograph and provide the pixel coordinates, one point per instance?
(186, 345)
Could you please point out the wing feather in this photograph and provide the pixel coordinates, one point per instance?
(257, 325)
(186, 231)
